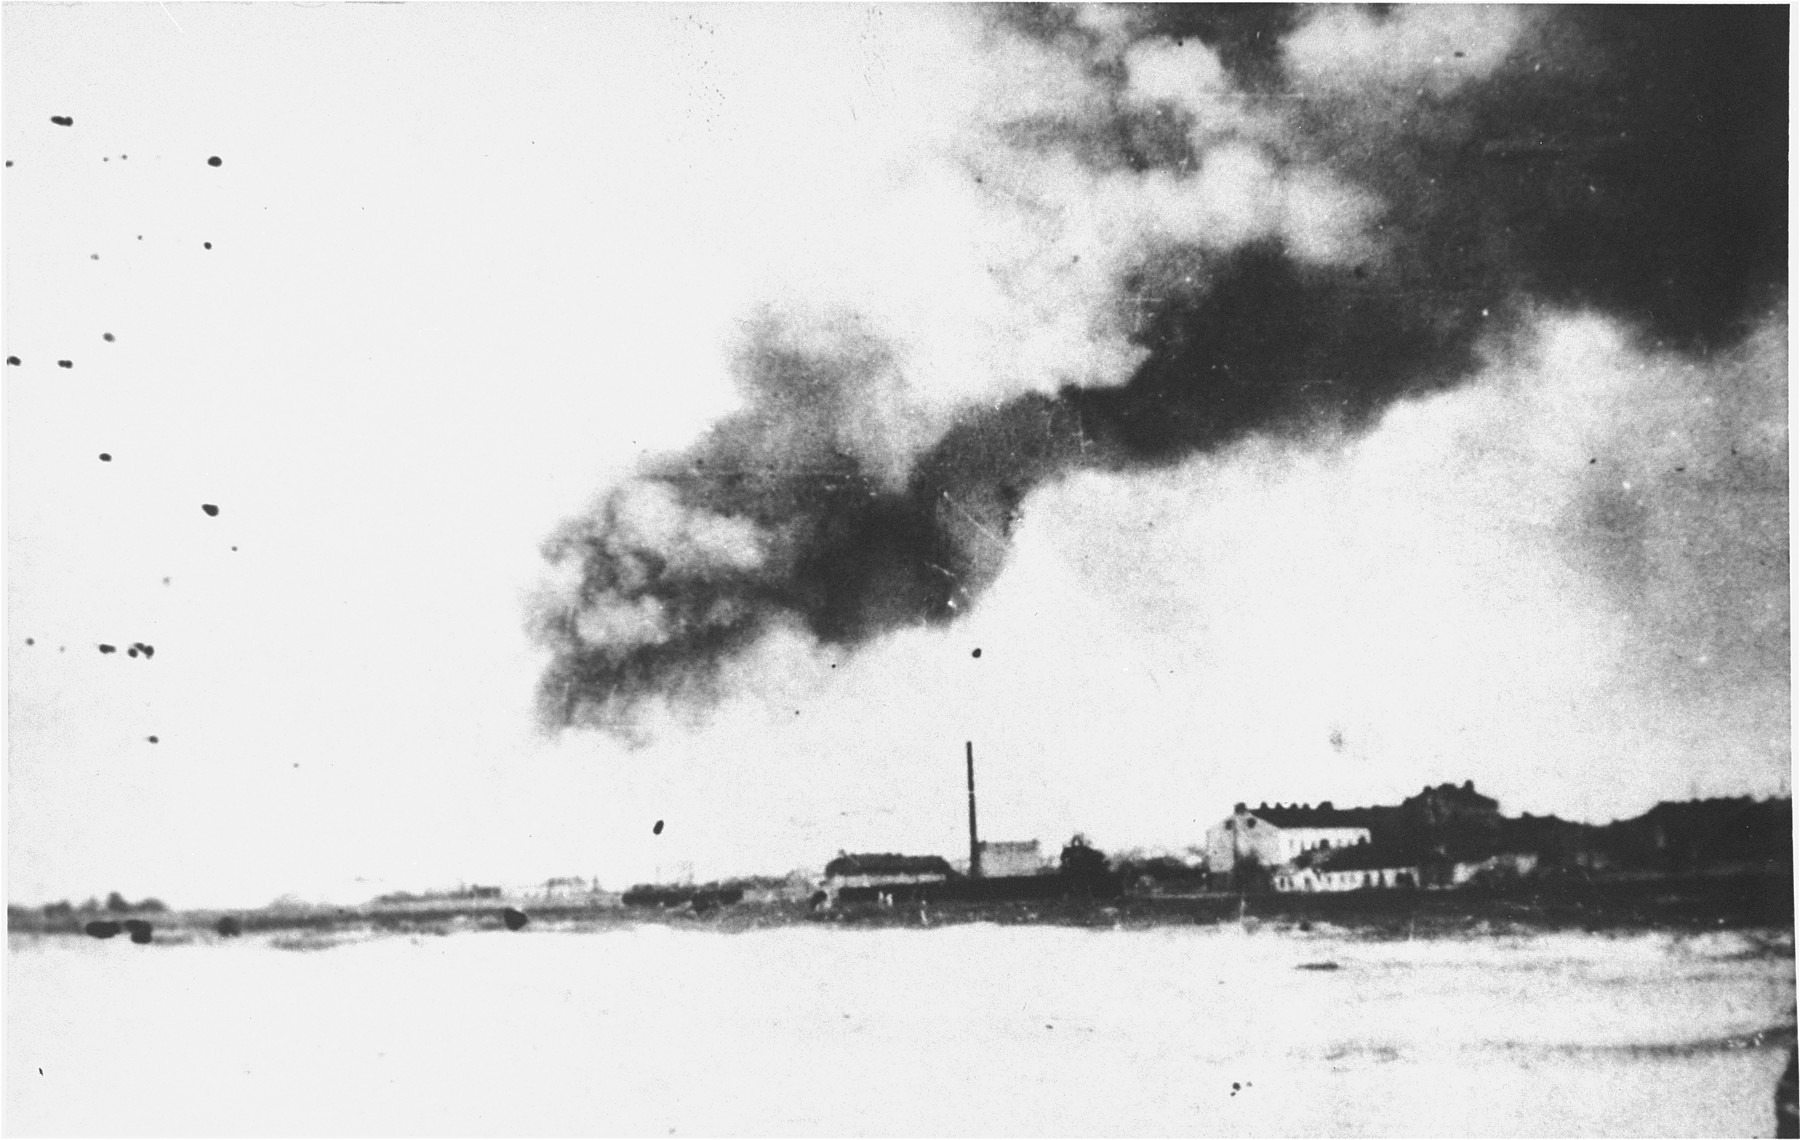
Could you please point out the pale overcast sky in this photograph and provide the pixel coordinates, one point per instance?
(470, 266)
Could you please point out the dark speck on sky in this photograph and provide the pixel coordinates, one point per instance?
(215, 160)
(132, 652)
(107, 337)
(62, 120)
(104, 648)
(12, 360)
(151, 739)
(977, 652)
(30, 641)
(657, 830)
(93, 257)
(211, 511)
(65, 364)
(106, 457)
(147, 650)
(207, 244)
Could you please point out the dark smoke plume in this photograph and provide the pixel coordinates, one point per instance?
(1624, 160)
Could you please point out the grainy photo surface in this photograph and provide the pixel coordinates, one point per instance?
(821, 570)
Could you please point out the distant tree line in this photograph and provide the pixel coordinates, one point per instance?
(116, 903)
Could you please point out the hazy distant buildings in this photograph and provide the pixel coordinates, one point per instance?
(1446, 835)
(1003, 859)
(1361, 867)
(1262, 839)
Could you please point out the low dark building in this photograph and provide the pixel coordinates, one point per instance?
(881, 876)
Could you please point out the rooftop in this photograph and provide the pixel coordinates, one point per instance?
(1307, 815)
(887, 864)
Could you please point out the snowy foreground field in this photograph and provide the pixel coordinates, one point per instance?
(967, 1030)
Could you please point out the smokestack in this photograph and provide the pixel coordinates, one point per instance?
(974, 837)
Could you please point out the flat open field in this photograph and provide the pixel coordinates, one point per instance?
(814, 1029)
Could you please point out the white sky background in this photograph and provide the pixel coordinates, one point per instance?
(470, 263)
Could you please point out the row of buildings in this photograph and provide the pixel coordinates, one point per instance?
(1445, 836)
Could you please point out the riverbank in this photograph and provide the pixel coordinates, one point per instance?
(1690, 903)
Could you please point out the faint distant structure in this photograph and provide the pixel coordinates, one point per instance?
(1004, 859)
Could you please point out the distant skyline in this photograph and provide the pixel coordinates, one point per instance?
(1511, 508)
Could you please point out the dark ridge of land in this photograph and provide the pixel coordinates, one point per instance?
(1746, 901)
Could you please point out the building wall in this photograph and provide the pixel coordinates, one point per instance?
(999, 860)
(1244, 835)
(836, 883)
(1312, 879)
(1507, 865)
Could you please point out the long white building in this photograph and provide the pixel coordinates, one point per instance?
(1271, 837)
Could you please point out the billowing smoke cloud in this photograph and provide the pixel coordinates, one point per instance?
(1114, 238)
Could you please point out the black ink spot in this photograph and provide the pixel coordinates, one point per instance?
(29, 641)
(146, 650)
(140, 930)
(12, 360)
(657, 830)
(977, 653)
(9, 162)
(107, 649)
(515, 919)
(151, 739)
(211, 511)
(106, 457)
(1458, 55)
(101, 929)
(107, 337)
(1593, 461)
(215, 160)
(207, 244)
(132, 652)
(63, 120)
(65, 364)
(93, 257)
(1235, 1086)
(234, 550)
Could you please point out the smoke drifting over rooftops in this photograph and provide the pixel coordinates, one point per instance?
(1115, 238)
